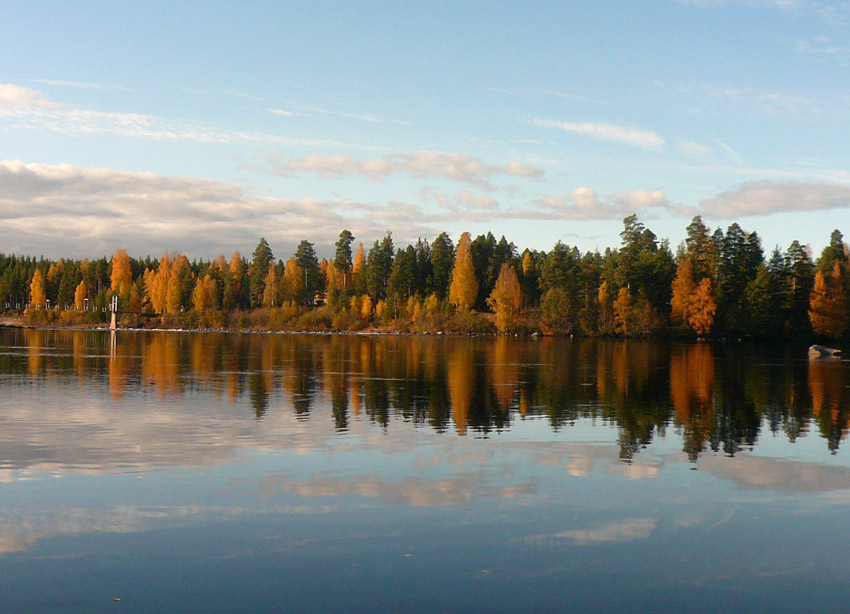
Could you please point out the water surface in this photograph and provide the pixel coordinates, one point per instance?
(215, 472)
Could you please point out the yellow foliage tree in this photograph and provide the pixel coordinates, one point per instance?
(220, 265)
(156, 284)
(506, 298)
(366, 307)
(683, 288)
(122, 277)
(464, 287)
(38, 295)
(234, 283)
(623, 312)
(271, 291)
(80, 295)
(702, 308)
(205, 294)
(293, 280)
(606, 316)
(527, 263)
(381, 309)
(174, 284)
(828, 304)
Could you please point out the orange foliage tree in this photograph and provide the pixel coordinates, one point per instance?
(80, 295)
(683, 288)
(38, 295)
(122, 277)
(702, 308)
(464, 287)
(506, 298)
(828, 304)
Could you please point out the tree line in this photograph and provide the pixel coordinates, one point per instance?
(715, 284)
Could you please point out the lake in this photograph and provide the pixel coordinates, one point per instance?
(177, 472)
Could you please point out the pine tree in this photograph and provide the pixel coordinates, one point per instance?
(442, 261)
(305, 257)
(342, 259)
(260, 261)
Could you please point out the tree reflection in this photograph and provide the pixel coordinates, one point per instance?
(827, 386)
(718, 396)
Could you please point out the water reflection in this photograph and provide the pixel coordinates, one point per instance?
(479, 467)
(719, 398)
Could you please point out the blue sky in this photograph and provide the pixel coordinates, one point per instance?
(175, 126)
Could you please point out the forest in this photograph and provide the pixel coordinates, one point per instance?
(716, 284)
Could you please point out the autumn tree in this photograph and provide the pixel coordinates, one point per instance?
(204, 296)
(828, 305)
(683, 288)
(271, 290)
(233, 282)
(358, 271)
(464, 286)
(506, 298)
(38, 295)
(623, 312)
(80, 295)
(293, 281)
(122, 276)
(156, 284)
(702, 308)
(606, 312)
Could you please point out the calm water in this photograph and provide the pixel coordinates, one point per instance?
(209, 472)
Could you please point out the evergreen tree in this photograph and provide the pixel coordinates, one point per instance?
(260, 261)
(305, 257)
(442, 262)
(403, 274)
(343, 260)
(378, 267)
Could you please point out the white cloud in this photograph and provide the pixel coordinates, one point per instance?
(734, 154)
(726, 97)
(625, 531)
(584, 203)
(769, 197)
(82, 85)
(16, 97)
(424, 165)
(65, 210)
(25, 108)
(695, 149)
(635, 137)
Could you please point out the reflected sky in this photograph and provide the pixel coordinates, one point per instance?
(194, 471)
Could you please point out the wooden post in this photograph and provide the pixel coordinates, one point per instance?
(113, 320)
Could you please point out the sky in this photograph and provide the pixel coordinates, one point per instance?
(200, 127)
